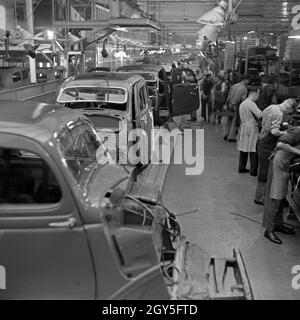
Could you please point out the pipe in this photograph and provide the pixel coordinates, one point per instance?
(30, 28)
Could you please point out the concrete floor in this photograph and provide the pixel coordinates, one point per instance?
(218, 192)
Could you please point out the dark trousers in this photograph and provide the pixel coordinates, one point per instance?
(253, 162)
(273, 208)
(206, 108)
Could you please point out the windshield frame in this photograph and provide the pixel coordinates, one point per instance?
(83, 182)
(89, 100)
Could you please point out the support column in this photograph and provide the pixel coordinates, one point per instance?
(30, 28)
(247, 57)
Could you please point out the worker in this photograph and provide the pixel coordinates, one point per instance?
(148, 59)
(237, 94)
(206, 85)
(219, 92)
(288, 147)
(270, 132)
(248, 132)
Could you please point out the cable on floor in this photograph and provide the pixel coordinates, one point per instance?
(188, 213)
(253, 220)
(245, 217)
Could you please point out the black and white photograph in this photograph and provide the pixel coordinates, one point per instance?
(149, 151)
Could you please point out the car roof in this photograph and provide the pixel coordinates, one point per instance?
(38, 121)
(141, 67)
(104, 79)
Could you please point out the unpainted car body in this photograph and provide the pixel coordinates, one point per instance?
(72, 228)
(158, 86)
(124, 108)
(179, 95)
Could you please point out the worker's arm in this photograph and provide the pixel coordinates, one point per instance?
(244, 94)
(256, 111)
(288, 148)
(223, 87)
(276, 122)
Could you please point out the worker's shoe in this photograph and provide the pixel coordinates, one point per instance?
(232, 140)
(244, 170)
(258, 202)
(272, 237)
(284, 229)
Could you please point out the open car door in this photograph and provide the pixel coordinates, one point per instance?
(185, 92)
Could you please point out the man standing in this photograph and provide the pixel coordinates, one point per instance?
(278, 177)
(206, 86)
(271, 124)
(248, 132)
(237, 94)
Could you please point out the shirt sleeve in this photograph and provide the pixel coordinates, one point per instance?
(223, 87)
(256, 111)
(276, 121)
(244, 94)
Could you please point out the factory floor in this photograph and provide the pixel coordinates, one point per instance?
(219, 193)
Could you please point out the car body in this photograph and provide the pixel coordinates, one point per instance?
(72, 228)
(97, 69)
(13, 77)
(48, 74)
(121, 105)
(179, 95)
(158, 86)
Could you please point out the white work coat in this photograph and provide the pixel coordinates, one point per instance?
(248, 131)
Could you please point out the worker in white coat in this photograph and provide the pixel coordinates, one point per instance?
(248, 132)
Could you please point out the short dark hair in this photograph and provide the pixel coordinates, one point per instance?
(245, 77)
(253, 90)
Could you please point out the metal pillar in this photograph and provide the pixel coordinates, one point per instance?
(234, 55)
(247, 57)
(240, 57)
(30, 28)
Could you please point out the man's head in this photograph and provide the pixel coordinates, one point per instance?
(288, 106)
(245, 79)
(253, 94)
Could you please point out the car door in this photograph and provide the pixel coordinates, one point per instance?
(43, 245)
(185, 92)
(144, 114)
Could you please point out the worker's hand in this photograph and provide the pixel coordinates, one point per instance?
(280, 145)
(225, 107)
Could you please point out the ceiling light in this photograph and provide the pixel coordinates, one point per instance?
(50, 34)
(216, 16)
